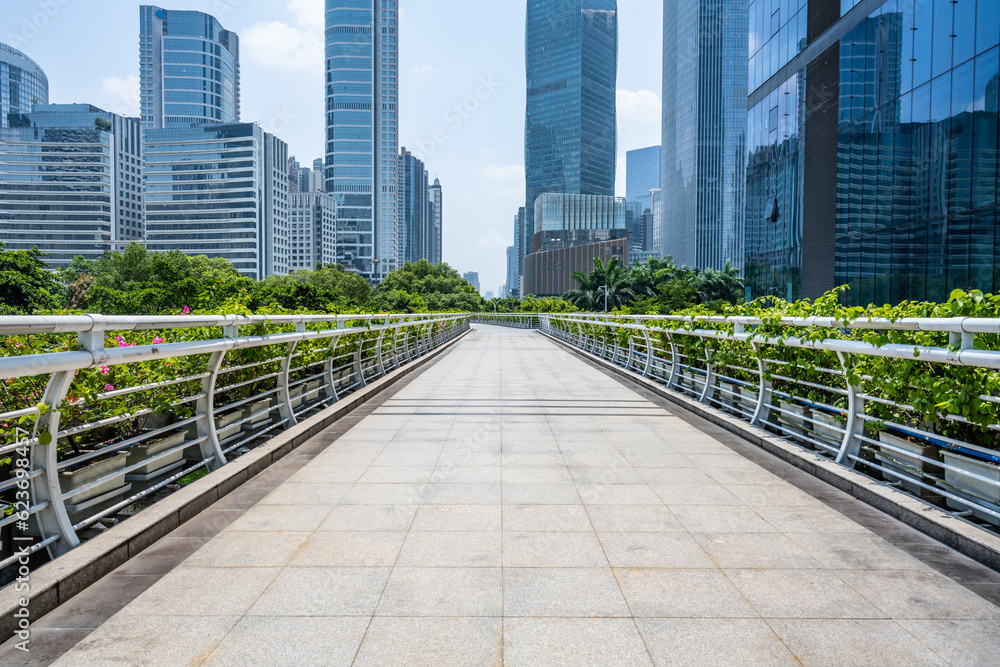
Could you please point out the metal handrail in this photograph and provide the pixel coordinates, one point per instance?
(355, 349)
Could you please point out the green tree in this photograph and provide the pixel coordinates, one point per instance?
(329, 288)
(440, 287)
(27, 286)
(608, 287)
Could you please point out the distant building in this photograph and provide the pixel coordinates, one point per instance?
(317, 177)
(71, 182)
(23, 84)
(435, 246)
(362, 131)
(220, 191)
(312, 231)
(571, 231)
(294, 176)
(513, 287)
(189, 69)
(488, 296)
(570, 135)
(522, 244)
(417, 211)
(703, 175)
(642, 176)
(472, 277)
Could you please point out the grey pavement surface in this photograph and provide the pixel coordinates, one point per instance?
(514, 505)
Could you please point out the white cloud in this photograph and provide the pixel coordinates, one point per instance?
(638, 107)
(309, 13)
(424, 70)
(507, 173)
(281, 46)
(122, 95)
(494, 241)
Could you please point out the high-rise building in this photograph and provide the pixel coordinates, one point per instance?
(23, 84)
(874, 149)
(642, 176)
(294, 176)
(189, 69)
(362, 143)
(417, 210)
(512, 288)
(571, 231)
(570, 136)
(522, 244)
(220, 191)
(436, 247)
(472, 277)
(71, 182)
(703, 174)
(312, 231)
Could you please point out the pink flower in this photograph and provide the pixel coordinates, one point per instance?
(186, 311)
(109, 387)
(105, 370)
(158, 341)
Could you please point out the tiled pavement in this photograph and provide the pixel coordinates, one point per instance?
(514, 505)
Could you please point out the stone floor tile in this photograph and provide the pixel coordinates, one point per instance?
(454, 591)
(462, 494)
(678, 495)
(384, 494)
(564, 592)
(451, 549)
(863, 551)
(369, 517)
(303, 642)
(563, 549)
(277, 518)
(755, 551)
(618, 494)
(959, 642)
(802, 594)
(458, 518)
(432, 642)
(573, 642)
(721, 519)
(732, 642)
(919, 594)
(659, 550)
(350, 549)
(682, 594)
(634, 519)
(203, 591)
(541, 494)
(323, 591)
(396, 475)
(546, 518)
(235, 549)
(859, 643)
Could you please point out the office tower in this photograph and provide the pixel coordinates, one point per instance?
(704, 131)
(642, 176)
(570, 136)
(312, 231)
(220, 191)
(513, 282)
(416, 209)
(436, 246)
(23, 84)
(472, 277)
(189, 69)
(571, 231)
(294, 176)
(71, 182)
(521, 242)
(362, 142)
(873, 150)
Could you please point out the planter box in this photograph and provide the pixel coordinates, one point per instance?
(729, 394)
(100, 497)
(140, 453)
(792, 418)
(906, 463)
(748, 402)
(260, 406)
(973, 487)
(829, 429)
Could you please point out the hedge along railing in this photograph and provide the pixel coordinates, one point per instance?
(516, 320)
(96, 423)
(824, 384)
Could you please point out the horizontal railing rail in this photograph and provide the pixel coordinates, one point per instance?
(911, 402)
(517, 320)
(97, 425)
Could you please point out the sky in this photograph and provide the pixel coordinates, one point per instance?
(462, 89)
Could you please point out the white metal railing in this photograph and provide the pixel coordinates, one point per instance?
(516, 320)
(76, 454)
(816, 383)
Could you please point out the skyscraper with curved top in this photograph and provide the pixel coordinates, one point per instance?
(189, 69)
(362, 138)
(570, 131)
(23, 84)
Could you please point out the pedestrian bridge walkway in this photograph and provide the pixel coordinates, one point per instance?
(513, 504)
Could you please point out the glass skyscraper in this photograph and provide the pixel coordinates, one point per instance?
(642, 176)
(70, 182)
(23, 84)
(875, 151)
(570, 142)
(362, 138)
(189, 69)
(704, 131)
(220, 191)
(417, 210)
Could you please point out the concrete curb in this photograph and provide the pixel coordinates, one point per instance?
(56, 582)
(961, 535)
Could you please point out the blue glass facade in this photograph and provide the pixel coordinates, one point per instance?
(362, 141)
(570, 143)
(704, 132)
(642, 176)
(905, 99)
(417, 209)
(23, 84)
(189, 69)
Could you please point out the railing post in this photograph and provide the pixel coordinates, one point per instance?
(46, 490)
(331, 381)
(210, 446)
(284, 395)
(763, 412)
(358, 365)
(631, 352)
(706, 393)
(855, 427)
(649, 353)
(674, 363)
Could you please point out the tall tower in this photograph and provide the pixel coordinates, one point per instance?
(23, 84)
(570, 136)
(437, 223)
(362, 138)
(189, 69)
(703, 172)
